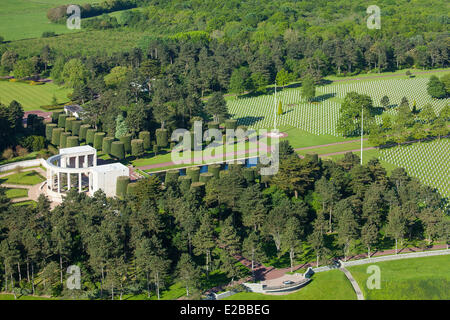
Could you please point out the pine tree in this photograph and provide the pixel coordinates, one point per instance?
(228, 237)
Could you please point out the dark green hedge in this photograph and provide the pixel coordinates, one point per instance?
(121, 186)
(106, 144)
(162, 137)
(118, 150)
(137, 147)
(98, 140)
(145, 136)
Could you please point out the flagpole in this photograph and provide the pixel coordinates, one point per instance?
(275, 121)
(362, 132)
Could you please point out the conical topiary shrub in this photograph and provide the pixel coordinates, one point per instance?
(126, 139)
(62, 120)
(98, 140)
(121, 186)
(184, 183)
(118, 150)
(171, 176)
(145, 136)
(48, 130)
(214, 169)
(193, 173)
(205, 177)
(132, 188)
(137, 147)
(106, 145)
(56, 134)
(68, 124)
(90, 133)
(83, 130)
(162, 138)
(63, 139)
(75, 126)
(72, 141)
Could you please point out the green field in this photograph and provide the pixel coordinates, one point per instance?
(32, 97)
(23, 19)
(329, 285)
(8, 296)
(409, 279)
(24, 178)
(16, 193)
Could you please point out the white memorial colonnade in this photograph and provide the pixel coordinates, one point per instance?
(77, 168)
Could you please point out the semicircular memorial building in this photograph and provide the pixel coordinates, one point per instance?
(77, 168)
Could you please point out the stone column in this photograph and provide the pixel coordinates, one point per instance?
(59, 182)
(90, 181)
(80, 186)
(68, 181)
(85, 164)
(95, 159)
(77, 162)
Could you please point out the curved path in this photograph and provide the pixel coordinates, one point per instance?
(355, 285)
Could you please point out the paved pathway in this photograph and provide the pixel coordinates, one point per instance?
(355, 285)
(329, 144)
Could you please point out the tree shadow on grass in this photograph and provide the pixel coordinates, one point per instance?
(249, 120)
(324, 97)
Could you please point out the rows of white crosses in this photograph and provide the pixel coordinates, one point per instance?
(429, 162)
(321, 118)
(259, 112)
(395, 89)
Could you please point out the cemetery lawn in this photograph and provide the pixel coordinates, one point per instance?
(16, 193)
(32, 97)
(25, 178)
(328, 285)
(410, 279)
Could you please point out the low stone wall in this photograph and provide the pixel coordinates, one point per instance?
(254, 287)
(396, 257)
(23, 164)
(224, 294)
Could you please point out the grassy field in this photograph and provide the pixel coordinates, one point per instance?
(8, 296)
(26, 203)
(330, 285)
(410, 279)
(16, 193)
(22, 19)
(24, 178)
(32, 97)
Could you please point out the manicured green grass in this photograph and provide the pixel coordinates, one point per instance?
(30, 156)
(299, 138)
(16, 193)
(329, 285)
(22, 19)
(335, 148)
(409, 279)
(173, 292)
(32, 97)
(26, 203)
(8, 296)
(26, 178)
